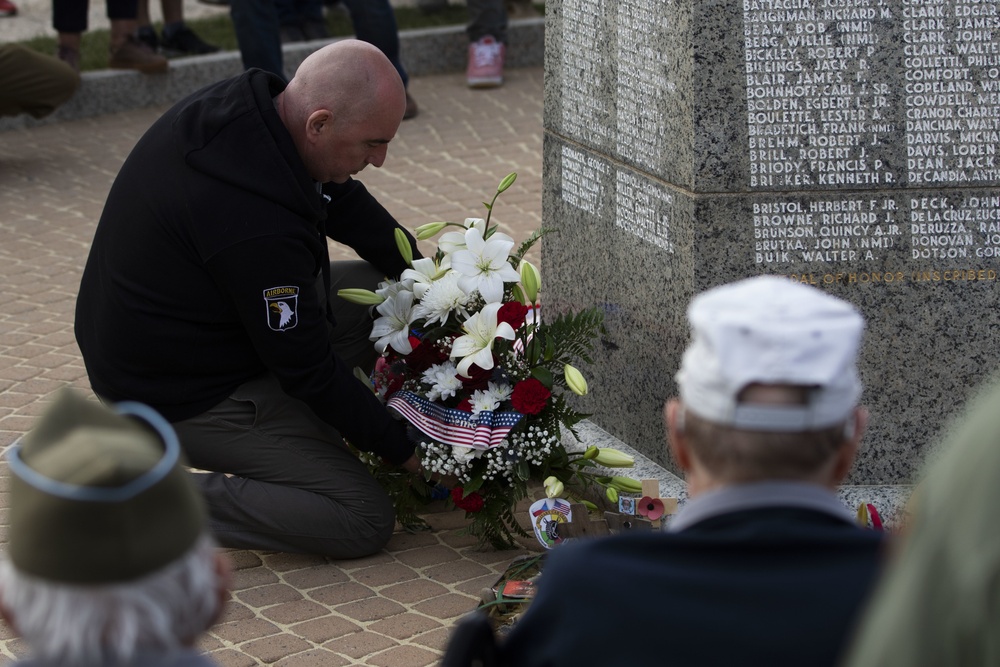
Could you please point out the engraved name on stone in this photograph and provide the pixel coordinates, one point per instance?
(642, 209)
(641, 83)
(952, 90)
(585, 108)
(581, 180)
(820, 113)
(848, 230)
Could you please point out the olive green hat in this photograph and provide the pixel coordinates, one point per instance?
(99, 495)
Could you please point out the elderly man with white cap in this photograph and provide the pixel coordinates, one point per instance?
(763, 565)
(108, 560)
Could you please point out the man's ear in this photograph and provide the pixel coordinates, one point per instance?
(673, 418)
(318, 122)
(844, 458)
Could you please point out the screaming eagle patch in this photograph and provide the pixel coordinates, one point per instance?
(282, 307)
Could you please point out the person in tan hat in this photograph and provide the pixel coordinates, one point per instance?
(108, 560)
(763, 565)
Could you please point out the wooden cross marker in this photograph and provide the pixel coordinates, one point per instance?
(582, 525)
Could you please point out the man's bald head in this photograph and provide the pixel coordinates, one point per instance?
(349, 92)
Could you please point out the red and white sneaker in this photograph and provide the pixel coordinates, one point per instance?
(485, 69)
(7, 8)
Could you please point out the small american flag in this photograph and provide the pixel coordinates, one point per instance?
(454, 427)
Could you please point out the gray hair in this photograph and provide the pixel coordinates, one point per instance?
(110, 623)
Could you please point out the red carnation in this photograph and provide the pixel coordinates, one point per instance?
(424, 356)
(529, 396)
(470, 503)
(513, 313)
(465, 405)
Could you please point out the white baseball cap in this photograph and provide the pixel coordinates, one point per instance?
(771, 330)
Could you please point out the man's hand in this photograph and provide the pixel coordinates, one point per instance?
(412, 464)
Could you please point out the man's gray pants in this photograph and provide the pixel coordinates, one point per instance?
(281, 478)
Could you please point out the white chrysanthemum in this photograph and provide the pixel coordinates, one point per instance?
(465, 455)
(499, 391)
(443, 379)
(443, 297)
(483, 401)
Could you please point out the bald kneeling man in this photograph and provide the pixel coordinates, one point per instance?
(209, 295)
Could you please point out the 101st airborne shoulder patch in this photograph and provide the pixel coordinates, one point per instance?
(282, 307)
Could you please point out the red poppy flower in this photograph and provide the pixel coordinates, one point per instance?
(529, 396)
(651, 508)
(471, 503)
(512, 313)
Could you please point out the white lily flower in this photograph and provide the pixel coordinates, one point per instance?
(442, 298)
(422, 274)
(452, 241)
(483, 265)
(393, 328)
(476, 346)
(388, 289)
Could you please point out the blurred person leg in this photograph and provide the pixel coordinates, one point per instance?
(374, 22)
(177, 38)
(258, 34)
(32, 82)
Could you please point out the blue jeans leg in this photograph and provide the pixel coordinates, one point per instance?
(375, 22)
(256, 25)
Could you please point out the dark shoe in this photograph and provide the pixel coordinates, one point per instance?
(411, 107)
(147, 36)
(314, 30)
(432, 6)
(133, 54)
(184, 42)
(69, 56)
(291, 33)
(7, 8)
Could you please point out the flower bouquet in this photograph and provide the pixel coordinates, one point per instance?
(481, 380)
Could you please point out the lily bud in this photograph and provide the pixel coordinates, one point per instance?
(360, 296)
(507, 181)
(589, 505)
(591, 452)
(612, 494)
(424, 232)
(531, 280)
(575, 380)
(612, 458)
(626, 484)
(403, 244)
(553, 487)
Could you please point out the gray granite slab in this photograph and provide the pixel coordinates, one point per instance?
(847, 144)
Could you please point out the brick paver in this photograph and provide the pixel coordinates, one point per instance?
(393, 609)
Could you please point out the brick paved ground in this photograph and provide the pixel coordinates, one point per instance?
(395, 608)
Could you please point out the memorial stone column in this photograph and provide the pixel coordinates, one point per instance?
(846, 144)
